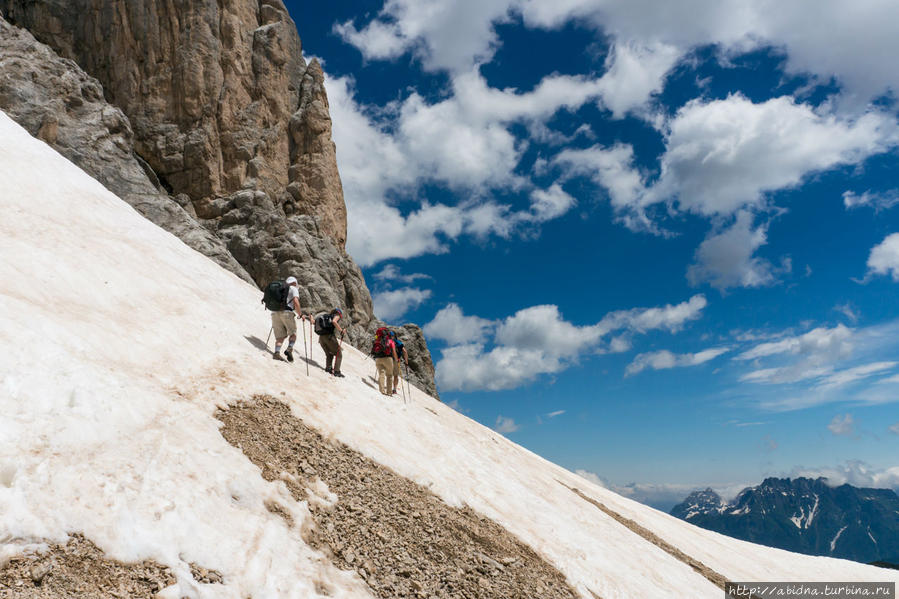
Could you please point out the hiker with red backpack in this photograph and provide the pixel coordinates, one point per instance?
(326, 326)
(282, 298)
(384, 351)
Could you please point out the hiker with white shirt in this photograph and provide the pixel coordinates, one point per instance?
(282, 298)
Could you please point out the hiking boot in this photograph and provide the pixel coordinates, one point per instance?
(277, 356)
(289, 353)
(337, 373)
(328, 370)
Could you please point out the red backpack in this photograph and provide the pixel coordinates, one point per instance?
(380, 348)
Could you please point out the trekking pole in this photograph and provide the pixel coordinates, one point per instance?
(269, 336)
(406, 364)
(305, 353)
(310, 335)
(403, 389)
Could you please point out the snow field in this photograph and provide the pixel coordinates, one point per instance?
(117, 344)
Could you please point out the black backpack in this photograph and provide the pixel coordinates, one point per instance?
(275, 296)
(323, 324)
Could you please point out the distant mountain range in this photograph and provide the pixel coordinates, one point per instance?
(804, 515)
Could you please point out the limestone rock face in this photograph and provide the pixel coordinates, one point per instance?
(207, 119)
(57, 102)
(218, 94)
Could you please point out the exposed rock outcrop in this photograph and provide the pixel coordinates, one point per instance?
(218, 93)
(230, 126)
(56, 101)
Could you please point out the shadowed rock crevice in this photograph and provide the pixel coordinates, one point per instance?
(399, 537)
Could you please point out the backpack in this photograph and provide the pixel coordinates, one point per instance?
(275, 296)
(380, 348)
(323, 324)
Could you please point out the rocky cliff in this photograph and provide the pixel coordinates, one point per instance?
(205, 117)
(804, 515)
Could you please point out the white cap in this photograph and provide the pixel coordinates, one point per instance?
(291, 280)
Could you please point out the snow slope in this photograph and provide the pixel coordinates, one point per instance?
(118, 343)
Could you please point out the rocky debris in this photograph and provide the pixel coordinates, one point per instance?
(398, 536)
(230, 126)
(54, 100)
(79, 569)
(204, 575)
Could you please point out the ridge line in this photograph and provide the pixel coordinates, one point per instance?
(711, 575)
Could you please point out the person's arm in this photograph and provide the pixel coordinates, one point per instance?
(335, 320)
(405, 356)
(296, 306)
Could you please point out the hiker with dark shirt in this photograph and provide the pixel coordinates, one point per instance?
(401, 356)
(326, 326)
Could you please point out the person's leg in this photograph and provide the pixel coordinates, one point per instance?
(396, 375)
(323, 342)
(388, 364)
(338, 355)
(290, 324)
(381, 365)
(332, 347)
(280, 333)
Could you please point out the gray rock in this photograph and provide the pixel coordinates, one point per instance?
(223, 137)
(57, 102)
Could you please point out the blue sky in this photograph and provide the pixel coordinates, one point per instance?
(654, 242)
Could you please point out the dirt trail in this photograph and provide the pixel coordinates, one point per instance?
(398, 536)
(711, 575)
(80, 570)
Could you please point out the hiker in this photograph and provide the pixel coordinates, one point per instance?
(384, 351)
(283, 299)
(402, 357)
(326, 326)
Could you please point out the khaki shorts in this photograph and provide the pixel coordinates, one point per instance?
(284, 323)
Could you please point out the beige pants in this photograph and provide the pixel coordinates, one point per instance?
(284, 324)
(385, 374)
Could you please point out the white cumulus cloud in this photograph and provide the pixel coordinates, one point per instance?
(884, 258)
(391, 272)
(855, 473)
(538, 340)
(393, 305)
(463, 143)
(505, 425)
(842, 425)
(452, 326)
(664, 359)
(723, 156)
(727, 258)
(662, 496)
